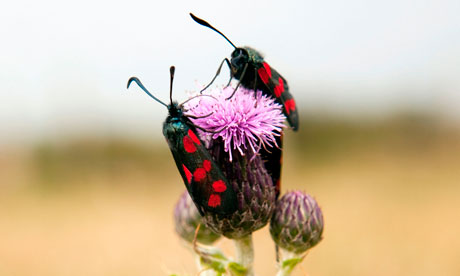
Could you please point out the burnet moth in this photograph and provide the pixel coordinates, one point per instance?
(203, 178)
(249, 67)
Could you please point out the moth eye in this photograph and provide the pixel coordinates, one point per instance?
(237, 53)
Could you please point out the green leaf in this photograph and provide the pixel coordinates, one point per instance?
(211, 253)
(236, 269)
(218, 267)
(289, 264)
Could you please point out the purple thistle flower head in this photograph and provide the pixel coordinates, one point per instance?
(297, 223)
(249, 120)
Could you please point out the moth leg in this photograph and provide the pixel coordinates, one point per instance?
(239, 83)
(205, 130)
(255, 84)
(231, 75)
(199, 117)
(255, 79)
(217, 74)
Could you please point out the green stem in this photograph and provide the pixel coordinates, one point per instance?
(245, 253)
(203, 270)
(288, 262)
(284, 271)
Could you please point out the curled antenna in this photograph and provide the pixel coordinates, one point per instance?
(172, 69)
(136, 80)
(206, 24)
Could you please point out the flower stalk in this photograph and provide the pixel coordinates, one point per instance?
(288, 262)
(245, 253)
(203, 269)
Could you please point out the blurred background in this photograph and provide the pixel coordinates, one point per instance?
(87, 183)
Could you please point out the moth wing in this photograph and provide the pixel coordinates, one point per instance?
(279, 89)
(207, 185)
(273, 161)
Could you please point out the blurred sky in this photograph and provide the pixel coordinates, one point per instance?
(64, 64)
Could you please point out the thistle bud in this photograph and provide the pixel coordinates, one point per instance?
(255, 194)
(187, 218)
(297, 223)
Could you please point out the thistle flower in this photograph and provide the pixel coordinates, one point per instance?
(236, 129)
(247, 121)
(297, 223)
(187, 218)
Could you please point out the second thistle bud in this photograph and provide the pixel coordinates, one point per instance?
(187, 218)
(297, 223)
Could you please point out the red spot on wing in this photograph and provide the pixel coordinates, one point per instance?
(214, 200)
(279, 88)
(278, 187)
(265, 72)
(207, 165)
(199, 174)
(289, 105)
(219, 186)
(188, 174)
(268, 68)
(193, 136)
(189, 146)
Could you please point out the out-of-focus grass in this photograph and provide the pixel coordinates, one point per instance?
(329, 138)
(389, 191)
(76, 162)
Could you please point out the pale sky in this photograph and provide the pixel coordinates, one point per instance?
(64, 65)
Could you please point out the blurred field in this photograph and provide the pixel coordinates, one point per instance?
(389, 191)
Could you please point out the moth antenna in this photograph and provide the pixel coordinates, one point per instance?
(172, 69)
(136, 80)
(206, 24)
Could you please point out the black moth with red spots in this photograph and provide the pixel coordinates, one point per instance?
(248, 66)
(203, 178)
